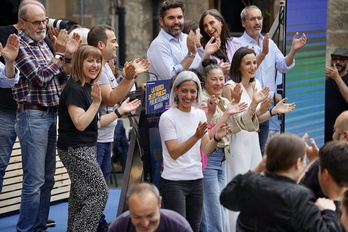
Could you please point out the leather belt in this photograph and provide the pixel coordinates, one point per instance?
(36, 107)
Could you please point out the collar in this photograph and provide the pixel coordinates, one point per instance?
(249, 39)
(26, 39)
(170, 37)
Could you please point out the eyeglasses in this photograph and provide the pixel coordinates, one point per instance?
(342, 58)
(254, 18)
(37, 23)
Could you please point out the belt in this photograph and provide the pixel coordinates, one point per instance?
(36, 107)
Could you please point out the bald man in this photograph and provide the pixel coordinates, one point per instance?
(145, 213)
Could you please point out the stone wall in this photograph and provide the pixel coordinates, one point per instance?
(337, 26)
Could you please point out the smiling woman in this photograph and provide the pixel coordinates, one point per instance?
(78, 130)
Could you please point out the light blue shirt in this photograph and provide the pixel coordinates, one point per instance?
(275, 60)
(165, 55)
(6, 82)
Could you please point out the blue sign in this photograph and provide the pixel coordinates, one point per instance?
(157, 96)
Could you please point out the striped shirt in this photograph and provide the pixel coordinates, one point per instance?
(40, 78)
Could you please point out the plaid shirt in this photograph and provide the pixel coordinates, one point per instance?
(40, 78)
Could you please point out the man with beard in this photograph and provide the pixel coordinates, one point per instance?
(145, 213)
(251, 19)
(172, 51)
(336, 94)
(37, 96)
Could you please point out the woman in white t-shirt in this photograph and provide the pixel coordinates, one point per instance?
(183, 131)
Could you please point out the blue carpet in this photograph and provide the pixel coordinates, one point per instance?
(59, 213)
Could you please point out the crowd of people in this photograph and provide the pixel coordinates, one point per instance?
(218, 174)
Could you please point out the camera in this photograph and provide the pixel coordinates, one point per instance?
(61, 24)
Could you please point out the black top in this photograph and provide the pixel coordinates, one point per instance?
(334, 105)
(75, 94)
(6, 98)
(311, 181)
(275, 203)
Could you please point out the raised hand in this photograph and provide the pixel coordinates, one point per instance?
(265, 45)
(233, 108)
(53, 34)
(332, 72)
(191, 42)
(141, 66)
(201, 130)
(72, 45)
(211, 105)
(282, 108)
(261, 95)
(222, 131)
(128, 106)
(96, 93)
(212, 46)
(60, 41)
(265, 104)
(298, 43)
(129, 71)
(225, 67)
(236, 93)
(10, 51)
(312, 151)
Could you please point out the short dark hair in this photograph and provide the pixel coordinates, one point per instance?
(333, 157)
(235, 73)
(97, 33)
(283, 151)
(171, 4)
(142, 188)
(190, 25)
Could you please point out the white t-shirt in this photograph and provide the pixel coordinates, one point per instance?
(176, 124)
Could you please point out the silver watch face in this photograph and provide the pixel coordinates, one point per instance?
(58, 57)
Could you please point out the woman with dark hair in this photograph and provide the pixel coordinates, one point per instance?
(77, 140)
(225, 112)
(273, 201)
(244, 146)
(183, 132)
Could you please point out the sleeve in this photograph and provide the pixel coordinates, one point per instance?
(166, 128)
(243, 121)
(280, 62)
(308, 217)
(6, 82)
(229, 196)
(161, 59)
(39, 74)
(75, 96)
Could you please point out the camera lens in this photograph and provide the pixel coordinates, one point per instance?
(61, 24)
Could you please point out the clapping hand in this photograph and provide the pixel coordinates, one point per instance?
(201, 130)
(282, 107)
(236, 93)
(10, 51)
(222, 131)
(233, 108)
(261, 95)
(298, 43)
(128, 106)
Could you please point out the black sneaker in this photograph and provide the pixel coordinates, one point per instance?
(50, 223)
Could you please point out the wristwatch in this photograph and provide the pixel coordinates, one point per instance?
(190, 54)
(58, 57)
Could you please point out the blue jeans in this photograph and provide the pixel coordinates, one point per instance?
(263, 135)
(184, 197)
(37, 133)
(104, 159)
(7, 139)
(213, 217)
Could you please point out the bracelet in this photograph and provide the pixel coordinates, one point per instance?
(118, 113)
(61, 54)
(270, 112)
(216, 140)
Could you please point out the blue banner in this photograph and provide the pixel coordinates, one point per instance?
(157, 96)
